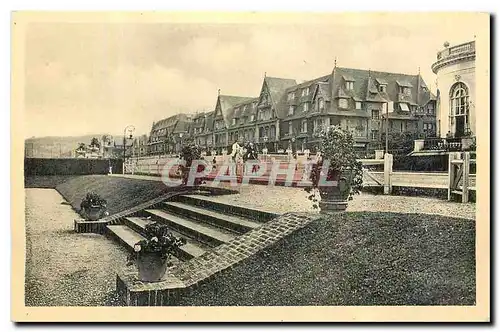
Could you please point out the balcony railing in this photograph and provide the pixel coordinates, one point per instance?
(445, 144)
(462, 48)
(455, 53)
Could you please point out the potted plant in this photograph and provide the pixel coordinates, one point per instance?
(336, 162)
(93, 207)
(189, 153)
(152, 254)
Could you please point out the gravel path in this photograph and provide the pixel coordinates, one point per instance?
(287, 199)
(64, 268)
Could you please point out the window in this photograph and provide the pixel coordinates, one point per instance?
(375, 114)
(252, 117)
(349, 85)
(317, 124)
(382, 88)
(374, 134)
(428, 127)
(234, 121)
(303, 127)
(291, 96)
(358, 105)
(384, 107)
(459, 112)
(403, 127)
(430, 109)
(291, 110)
(405, 90)
(404, 107)
(290, 128)
(305, 92)
(342, 103)
(306, 107)
(321, 104)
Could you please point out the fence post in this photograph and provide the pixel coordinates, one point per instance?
(451, 173)
(387, 174)
(465, 182)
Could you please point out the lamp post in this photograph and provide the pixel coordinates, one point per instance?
(130, 129)
(180, 136)
(386, 128)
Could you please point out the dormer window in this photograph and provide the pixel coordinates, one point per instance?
(291, 110)
(342, 103)
(305, 92)
(349, 85)
(382, 88)
(358, 105)
(405, 90)
(291, 96)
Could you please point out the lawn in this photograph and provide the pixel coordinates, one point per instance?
(120, 193)
(45, 181)
(356, 258)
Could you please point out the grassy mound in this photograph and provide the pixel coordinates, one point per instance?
(121, 193)
(358, 258)
(45, 181)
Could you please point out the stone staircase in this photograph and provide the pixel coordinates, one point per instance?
(202, 221)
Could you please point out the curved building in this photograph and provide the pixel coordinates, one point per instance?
(455, 70)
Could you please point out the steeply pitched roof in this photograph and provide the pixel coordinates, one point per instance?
(284, 103)
(226, 104)
(277, 87)
(366, 83)
(209, 121)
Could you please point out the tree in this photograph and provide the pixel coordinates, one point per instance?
(400, 142)
(95, 142)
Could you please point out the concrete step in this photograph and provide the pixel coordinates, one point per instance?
(129, 238)
(223, 220)
(204, 233)
(190, 250)
(125, 235)
(226, 208)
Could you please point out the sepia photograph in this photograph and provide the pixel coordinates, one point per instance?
(265, 165)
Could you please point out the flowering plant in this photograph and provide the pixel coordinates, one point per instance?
(93, 201)
(337, 149)
(189, 153)
(157, 240)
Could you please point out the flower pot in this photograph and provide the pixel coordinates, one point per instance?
(334, 198)
(151, 266)
(94, 212)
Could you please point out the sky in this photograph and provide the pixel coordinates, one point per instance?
(99, 77)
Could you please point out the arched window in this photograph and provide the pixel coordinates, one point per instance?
(459, 97)
(459, 110)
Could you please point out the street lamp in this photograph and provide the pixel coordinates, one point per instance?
(386, 128)
(180, 136)
(128, 129)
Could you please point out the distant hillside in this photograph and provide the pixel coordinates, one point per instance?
(56, 146)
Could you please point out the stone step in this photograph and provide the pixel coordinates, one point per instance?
(226, 208)
(190, 250)
(125, 235)
(223, 220)
(128, 237)
(204, 233)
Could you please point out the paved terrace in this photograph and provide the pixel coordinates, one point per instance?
(286, 199)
